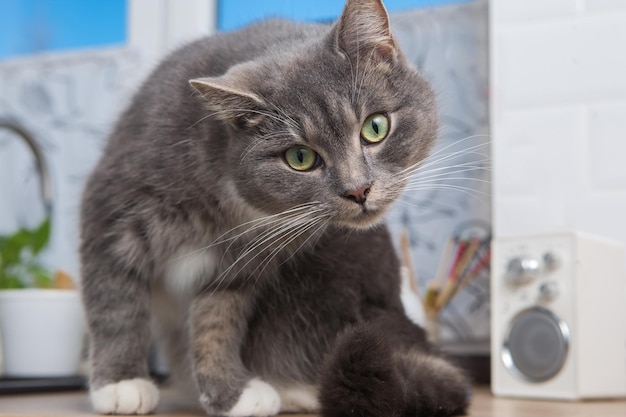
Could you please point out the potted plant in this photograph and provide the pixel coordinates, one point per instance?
(41, 318)
(40, 315)
(20, 266)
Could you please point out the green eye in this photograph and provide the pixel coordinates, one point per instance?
(375, 128)
(301, 158)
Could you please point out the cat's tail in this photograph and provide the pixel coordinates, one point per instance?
(366, 376)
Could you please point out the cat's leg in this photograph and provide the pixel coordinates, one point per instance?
(218, 322)
(117, 305)
(368, 375)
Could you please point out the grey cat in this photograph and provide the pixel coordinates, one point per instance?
(238, 219)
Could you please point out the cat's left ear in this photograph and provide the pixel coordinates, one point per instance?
(363, 31)
(230, 100)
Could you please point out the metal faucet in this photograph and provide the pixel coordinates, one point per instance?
(40, 161)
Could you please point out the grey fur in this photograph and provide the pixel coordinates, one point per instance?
(252, 268)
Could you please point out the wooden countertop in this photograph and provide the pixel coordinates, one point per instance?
(483, 405)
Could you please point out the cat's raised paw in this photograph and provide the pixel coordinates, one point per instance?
(129, 396)
(258, 399)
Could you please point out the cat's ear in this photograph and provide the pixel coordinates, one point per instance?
(230, 100)
(363, 31)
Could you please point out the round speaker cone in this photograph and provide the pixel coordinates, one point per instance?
(536, 345)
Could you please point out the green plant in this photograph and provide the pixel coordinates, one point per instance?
(19, 262)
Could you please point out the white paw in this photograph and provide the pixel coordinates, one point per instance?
(258, 399)
(130, 396)
(298, 399)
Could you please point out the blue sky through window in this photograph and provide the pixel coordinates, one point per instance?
(29, 26)
(233, 14)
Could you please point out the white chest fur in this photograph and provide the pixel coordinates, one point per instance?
(189, 270)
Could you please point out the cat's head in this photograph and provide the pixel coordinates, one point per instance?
(337, 121)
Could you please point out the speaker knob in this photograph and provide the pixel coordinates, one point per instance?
(548, 291)
(522, 270)
(551, 261)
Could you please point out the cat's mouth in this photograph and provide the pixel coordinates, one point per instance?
(367, 211)
(367, 216)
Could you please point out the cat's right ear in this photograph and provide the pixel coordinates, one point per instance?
(230, 103)
(363, 31)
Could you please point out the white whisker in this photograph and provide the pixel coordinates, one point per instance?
(455, 169)
(289, 211)
(439, 181)
(440, 158)
(411, 204)
(263, 221)
(484, 163)
(457, 142)
(469, 191)
(268, 234)
(293, 235)
(260, 241)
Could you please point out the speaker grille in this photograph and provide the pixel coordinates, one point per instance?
(536, 345)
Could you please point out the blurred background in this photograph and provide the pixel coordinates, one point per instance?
(532, 99)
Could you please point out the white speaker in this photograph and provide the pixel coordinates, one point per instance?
(558, 317)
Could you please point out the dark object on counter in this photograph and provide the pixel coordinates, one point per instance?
(30, 385)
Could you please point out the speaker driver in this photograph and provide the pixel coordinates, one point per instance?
(536, 345)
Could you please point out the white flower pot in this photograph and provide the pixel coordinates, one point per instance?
(42, 332)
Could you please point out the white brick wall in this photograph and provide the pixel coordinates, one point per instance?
(558, 115)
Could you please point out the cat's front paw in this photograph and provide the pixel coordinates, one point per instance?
(130, 396)
(258, 399)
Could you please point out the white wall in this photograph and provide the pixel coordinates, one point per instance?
(558, 116)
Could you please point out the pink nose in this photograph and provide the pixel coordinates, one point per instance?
(359, 195)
